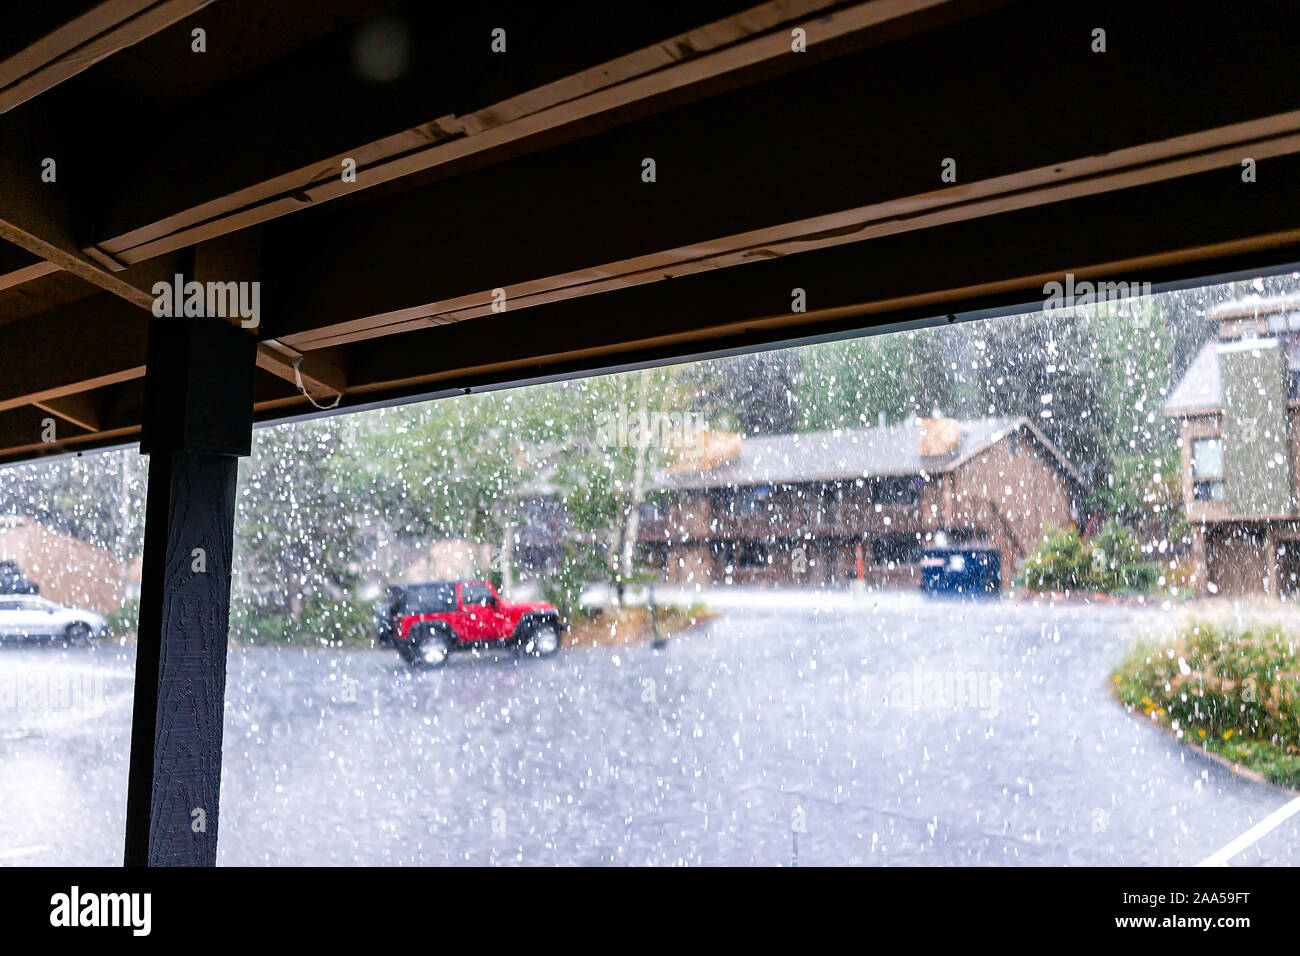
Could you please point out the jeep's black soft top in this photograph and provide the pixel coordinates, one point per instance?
(430, 597)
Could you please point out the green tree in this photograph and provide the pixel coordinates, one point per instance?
(300, 509)
(853, 383)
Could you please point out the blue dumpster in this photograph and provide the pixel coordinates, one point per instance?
(961, 570)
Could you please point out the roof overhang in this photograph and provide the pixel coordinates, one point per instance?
(481, 175)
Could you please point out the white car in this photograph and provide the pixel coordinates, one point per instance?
(23, 615)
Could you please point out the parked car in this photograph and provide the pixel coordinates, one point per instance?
(28, 616)
(427, 621)
(13, 581)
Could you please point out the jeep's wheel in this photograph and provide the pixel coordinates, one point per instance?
(541, 641)
(428, 650)
(77, 633)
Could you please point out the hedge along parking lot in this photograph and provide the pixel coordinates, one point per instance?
(1112, 562)
(1230, 688)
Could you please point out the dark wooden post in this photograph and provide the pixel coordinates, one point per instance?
(198, 422)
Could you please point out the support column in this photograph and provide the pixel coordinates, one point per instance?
(1200, 560)
(197, 424)
(1270, 546)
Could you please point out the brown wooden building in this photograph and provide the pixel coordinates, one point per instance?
(805, 508)
(67, 569)
(1238, 410)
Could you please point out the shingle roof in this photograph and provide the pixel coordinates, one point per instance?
(1254, 305)
(1200, 386)
(839, 454)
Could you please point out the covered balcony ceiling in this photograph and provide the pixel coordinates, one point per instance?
(500, 226)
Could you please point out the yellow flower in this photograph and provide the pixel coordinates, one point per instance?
(1202, 735)
(1228, 734)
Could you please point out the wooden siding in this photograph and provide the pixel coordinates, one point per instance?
(809, 533)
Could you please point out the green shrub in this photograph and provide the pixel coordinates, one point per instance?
(1059, 563)
(125, 621)
(347, 623)
(321, 624)
(1115, 562)
(564, 584)
(1110, 563)
(1233, 689)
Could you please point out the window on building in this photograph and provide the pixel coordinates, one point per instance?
(832, 494)
(1209, 491)
(752, 499)
(1207, 457)
(895, 490)
(894, 549)
(1207, 469)
(753, 554)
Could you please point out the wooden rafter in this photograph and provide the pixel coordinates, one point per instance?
(671, 67)
(1187, 155)
(105, 29)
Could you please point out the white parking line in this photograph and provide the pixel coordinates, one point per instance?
(1269, 823)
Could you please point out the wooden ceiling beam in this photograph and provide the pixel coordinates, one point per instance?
(1153, 233)
(106, 340)
(46, 220)
(43, 217)
(1164, 231)
(23, 433)
(238, 258)
(115, 409)
(98, 341)
(322, 374)
(669, 71)
(18, 266)
(38, 222)
(83, 409)
(1221, 148)
(577, 218)
(1060, 165)
(106, 28)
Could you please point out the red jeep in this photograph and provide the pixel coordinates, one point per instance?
(426, 622)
